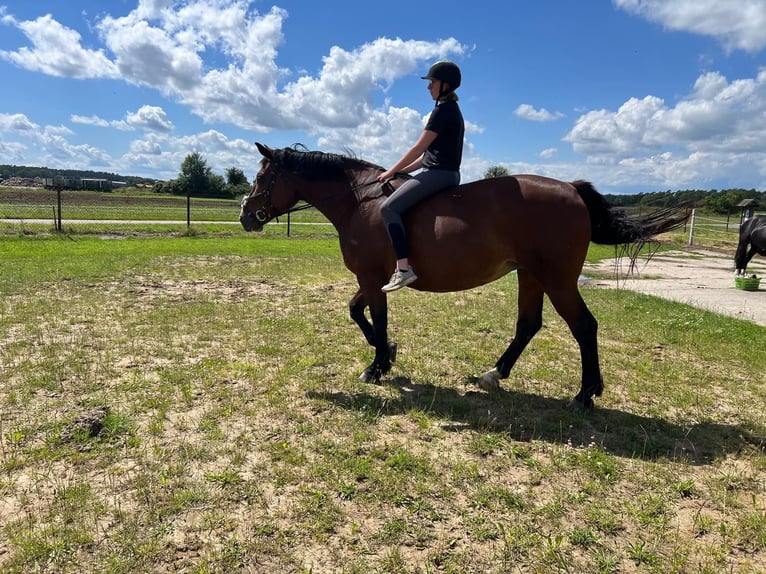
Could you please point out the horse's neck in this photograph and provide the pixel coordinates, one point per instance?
(333, 199)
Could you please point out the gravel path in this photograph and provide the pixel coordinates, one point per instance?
(700, 278)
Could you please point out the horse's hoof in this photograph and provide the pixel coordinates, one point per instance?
(577, 405)
(489, 381)
(370, 376)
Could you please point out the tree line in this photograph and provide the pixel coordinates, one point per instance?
(195, 178)
(27, 172)
(718, 201)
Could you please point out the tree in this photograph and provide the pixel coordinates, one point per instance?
(236, 182)
(496, 171)
(195, 175)
(235, 176)
(197, 179)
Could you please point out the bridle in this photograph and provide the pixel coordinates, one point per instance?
(262, 213)
(267, 212)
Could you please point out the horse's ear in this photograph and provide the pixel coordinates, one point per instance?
(265, 151)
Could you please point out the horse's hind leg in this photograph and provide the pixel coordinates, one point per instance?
(528, 323)
(584, 327)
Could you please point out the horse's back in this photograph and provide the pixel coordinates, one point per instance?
(489, 227)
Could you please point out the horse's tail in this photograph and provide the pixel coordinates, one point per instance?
(611, 225)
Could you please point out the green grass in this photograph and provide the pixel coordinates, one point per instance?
(238, 438)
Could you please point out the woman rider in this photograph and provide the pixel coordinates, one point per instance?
(438, 151)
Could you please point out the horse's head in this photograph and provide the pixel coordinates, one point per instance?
(270, 196)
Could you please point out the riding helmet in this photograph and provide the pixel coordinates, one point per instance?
(446, 72)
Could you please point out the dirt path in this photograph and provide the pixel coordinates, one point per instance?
(700, 278)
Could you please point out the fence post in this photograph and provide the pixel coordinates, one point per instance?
(188, 208)
(691, 227)
(58, 201)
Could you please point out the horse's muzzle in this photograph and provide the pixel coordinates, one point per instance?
(250, 223)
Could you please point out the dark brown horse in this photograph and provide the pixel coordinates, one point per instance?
(459, 239)
(752, 240)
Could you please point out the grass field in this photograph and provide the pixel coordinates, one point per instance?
(190, 404)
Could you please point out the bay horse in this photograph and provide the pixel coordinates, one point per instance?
(460, 238)
(752, 234)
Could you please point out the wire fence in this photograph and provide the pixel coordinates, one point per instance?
(60, 210)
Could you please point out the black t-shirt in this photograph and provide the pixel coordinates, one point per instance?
(446, 151)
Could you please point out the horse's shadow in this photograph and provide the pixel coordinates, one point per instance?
(524, 417)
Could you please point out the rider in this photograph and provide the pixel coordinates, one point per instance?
(438, 151)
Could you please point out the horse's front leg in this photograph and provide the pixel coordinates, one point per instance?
(356, 308)
(376, 334)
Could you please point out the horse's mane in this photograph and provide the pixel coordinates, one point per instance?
(318, 165)
(359, 174)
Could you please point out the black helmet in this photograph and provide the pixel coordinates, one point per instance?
(446, 72)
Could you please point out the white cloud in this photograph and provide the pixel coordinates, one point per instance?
(717, 115)
(177, 49)
(549, 153)
(99, 122)
(620, 133)
(56, 51)
(528, 112)
(16, 123)
(739, 24)
(151, 118)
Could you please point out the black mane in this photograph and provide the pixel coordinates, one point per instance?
(317, 165)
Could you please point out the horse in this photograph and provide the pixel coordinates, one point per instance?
(460, 238)
(752, 233)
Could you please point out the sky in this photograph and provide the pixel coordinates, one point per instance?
(632, 95)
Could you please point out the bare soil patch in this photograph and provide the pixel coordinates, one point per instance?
(700, 278)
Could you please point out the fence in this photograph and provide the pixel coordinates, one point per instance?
(65, 210)
(720, 232)
(119, 210)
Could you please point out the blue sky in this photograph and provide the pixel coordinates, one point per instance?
(633, 95)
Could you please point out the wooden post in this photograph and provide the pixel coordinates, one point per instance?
(691, 228)
(58, 201)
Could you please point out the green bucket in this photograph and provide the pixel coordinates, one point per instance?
(747, 283)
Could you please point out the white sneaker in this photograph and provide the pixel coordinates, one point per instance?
(399, 279)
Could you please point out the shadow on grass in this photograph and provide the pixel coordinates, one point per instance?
(526, 417)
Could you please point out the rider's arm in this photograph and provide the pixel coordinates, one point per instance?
(413, 158)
